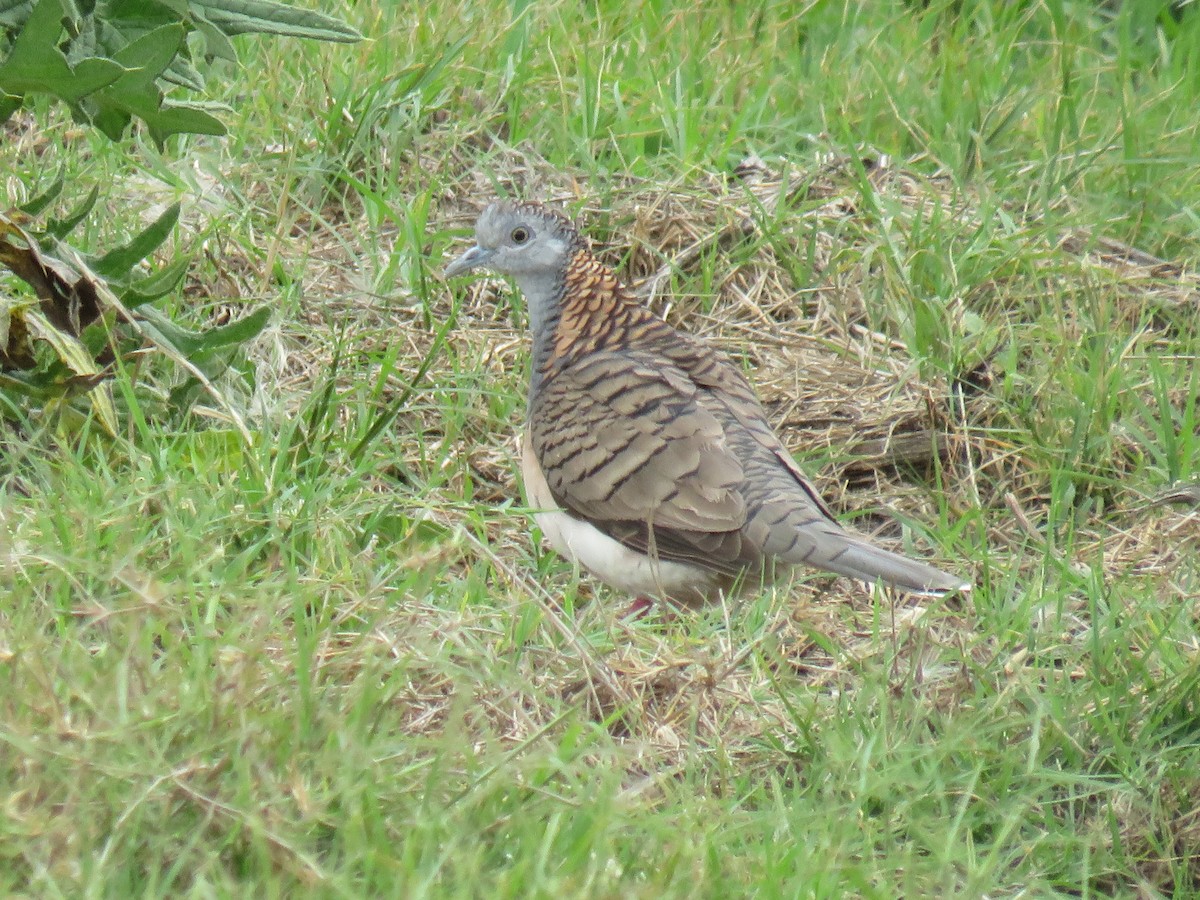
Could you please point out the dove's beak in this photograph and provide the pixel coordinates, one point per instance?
(472, 259)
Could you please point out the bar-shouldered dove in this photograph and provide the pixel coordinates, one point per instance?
(646, 456)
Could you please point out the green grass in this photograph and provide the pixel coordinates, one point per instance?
(331, 660)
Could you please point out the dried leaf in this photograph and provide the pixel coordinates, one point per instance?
(68, 298)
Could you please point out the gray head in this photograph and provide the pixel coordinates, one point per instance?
(525, 240)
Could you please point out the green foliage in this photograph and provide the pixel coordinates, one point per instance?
(85, 315)
(112, 61)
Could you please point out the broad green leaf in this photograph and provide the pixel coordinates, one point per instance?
(115, 34)
(136, 92)
(147, 57)
(117, 263)
(111, 120)
(163, 10)
(163, 119)
(60, 228)
(82, 43)
(269, 17)
(185, 118)
(163, 330)
(183, 396)
(41, 386)
(34, 385)
(156, 285)
(181, 72)
(35, 206)
(216, 44)
(245, 329)
(197, 345)
(36, 64)
(147, 14)
(51, 74)
(165, 334)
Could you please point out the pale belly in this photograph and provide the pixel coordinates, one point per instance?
(612, 562)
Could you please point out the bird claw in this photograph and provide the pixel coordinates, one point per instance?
(638, 608)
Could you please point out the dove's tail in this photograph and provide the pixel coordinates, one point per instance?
(857, 558)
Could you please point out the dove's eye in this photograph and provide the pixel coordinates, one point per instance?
(520, 235)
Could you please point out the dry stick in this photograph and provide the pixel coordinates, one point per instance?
(1186, 494)
(1018, 513)
(1081, 242)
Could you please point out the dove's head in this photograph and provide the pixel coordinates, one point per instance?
(525, 240)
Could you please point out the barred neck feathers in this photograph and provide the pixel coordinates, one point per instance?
(594, 312)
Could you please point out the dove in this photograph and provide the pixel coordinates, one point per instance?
(647, 457)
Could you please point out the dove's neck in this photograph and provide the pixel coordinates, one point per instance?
(543, 305)
(579, 310)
